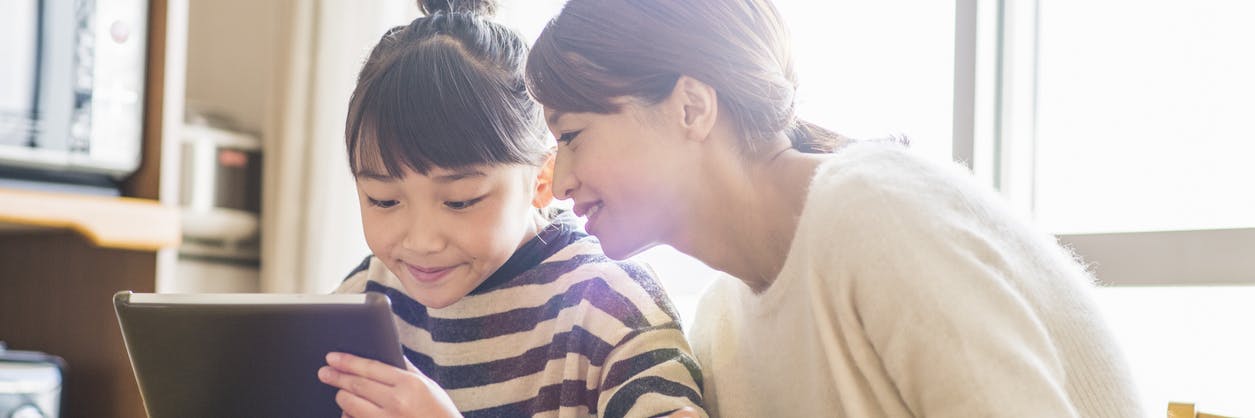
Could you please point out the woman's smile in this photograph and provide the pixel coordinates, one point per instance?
(590, 212)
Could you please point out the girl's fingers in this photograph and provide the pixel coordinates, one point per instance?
(356, 406)
(369, 387)
(371, 369)
(372, 391)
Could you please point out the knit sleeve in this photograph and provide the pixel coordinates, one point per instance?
(933, 291)
(651, 370)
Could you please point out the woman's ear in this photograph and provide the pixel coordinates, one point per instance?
(544, 184)
(698, 104)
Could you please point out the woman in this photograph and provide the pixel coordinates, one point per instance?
(868, 281)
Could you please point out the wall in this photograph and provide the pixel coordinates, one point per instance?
(232, 48)
(233, 59)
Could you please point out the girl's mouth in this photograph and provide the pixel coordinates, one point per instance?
(428, 275)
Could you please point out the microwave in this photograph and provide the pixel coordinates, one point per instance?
(72, 86)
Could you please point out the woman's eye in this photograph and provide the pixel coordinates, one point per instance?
(566, 138)
(462, 205)
(384, 204)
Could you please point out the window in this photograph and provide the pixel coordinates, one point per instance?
(1144, 124)
(1122, 126)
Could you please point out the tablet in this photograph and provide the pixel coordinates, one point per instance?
(248, 355)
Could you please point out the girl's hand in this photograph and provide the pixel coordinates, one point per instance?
(370, 388)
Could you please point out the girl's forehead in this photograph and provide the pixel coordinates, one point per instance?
(449, 175)
(366, 156)
(369, 162)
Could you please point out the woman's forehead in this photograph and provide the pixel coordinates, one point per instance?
(553, 115)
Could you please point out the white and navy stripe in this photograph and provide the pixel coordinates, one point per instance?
(560, 330)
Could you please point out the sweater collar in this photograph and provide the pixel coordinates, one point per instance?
(561, 232)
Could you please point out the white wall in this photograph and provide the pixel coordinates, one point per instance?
(232, 56)
(230, 71)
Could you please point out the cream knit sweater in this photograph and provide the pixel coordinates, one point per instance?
(911, 291)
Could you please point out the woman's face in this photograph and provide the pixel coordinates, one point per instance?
(621, 170)
(442, 234)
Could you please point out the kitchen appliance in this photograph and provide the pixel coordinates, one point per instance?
(220, 183)
(30, 384)
(72, 86)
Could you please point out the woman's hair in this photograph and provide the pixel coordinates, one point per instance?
(447, 90)
(599, 50)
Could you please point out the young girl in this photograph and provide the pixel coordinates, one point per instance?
(502, 309)
(869, 282)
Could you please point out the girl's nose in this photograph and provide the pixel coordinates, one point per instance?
(423, 237)
(564, 183)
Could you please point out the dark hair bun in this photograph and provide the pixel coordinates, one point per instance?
(476, 7)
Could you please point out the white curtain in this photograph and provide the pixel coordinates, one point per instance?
(312, 233)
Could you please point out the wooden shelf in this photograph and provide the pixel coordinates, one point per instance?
(117, 223)
(62, 256)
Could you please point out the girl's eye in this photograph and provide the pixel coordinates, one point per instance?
(462, 205)
(384, 204)
(566, 138)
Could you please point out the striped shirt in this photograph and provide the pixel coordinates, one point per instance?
(560, 330)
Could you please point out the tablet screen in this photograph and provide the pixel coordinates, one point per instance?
(240, 355)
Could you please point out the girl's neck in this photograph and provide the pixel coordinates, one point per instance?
(536, 222)
(748, 213)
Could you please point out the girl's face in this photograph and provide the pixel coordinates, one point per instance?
(445, 232)
(624, 173)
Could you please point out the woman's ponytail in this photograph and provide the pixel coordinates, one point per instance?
(814, 139)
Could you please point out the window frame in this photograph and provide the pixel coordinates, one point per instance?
(995, 91)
